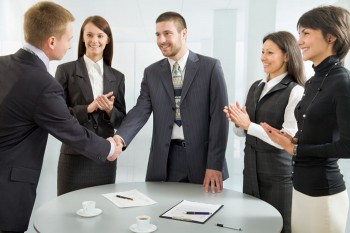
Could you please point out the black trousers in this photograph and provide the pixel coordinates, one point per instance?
(177, 168)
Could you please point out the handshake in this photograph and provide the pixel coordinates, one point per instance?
(118, 146)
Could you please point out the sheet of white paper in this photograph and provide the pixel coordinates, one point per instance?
(179, 211)
(139, 199)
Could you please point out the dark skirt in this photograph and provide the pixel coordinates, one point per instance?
(77, 171)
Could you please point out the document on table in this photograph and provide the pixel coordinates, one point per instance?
(129, 198)
(191, 211)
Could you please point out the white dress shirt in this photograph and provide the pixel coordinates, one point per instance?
(95, 72)
(289, 125)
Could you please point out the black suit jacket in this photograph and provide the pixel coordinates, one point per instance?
(74, 78)
(32, 105)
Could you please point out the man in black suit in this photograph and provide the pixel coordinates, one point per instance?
(31, 106)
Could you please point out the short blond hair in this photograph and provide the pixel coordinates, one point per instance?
(45, 19)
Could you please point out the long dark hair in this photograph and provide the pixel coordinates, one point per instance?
(289, 45)
(102, 24)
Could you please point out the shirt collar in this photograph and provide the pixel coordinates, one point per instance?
(273, 81)
(42, 56)
(90, 64)
(182, 61)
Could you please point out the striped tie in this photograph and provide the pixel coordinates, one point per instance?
(177, 83)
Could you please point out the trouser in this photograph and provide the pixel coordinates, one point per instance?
(177, 170)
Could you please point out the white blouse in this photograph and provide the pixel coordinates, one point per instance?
(289, 125)
(95, 72)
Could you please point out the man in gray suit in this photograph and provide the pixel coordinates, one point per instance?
(189, 128)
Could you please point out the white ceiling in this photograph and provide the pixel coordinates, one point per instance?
(134, 20)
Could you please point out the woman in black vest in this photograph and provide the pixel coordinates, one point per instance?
(267, 166)
(320, 199)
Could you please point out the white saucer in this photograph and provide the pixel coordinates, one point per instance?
(94, 213)
(134, 228)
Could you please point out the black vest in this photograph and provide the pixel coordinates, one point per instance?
(269, 109)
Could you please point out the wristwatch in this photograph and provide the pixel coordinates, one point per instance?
(295, 147)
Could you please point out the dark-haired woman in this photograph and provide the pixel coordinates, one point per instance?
(267, 167)
(94, 93)
(320, 199)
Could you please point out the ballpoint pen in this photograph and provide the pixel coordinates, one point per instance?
(128, 198)
(233, 228)
(197, 212)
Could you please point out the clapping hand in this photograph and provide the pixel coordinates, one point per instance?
(105, 102)
(282, 138)
(102, 102)
(237, 115)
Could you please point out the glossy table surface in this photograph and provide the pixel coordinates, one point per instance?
(240, 210)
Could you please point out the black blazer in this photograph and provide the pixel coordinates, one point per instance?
(32, 105)
(74, 78)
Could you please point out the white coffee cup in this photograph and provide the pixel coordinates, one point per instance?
(143, 222)
(88, 206)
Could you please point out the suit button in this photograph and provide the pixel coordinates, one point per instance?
(173, 108)
(171, 126)
(95, 126)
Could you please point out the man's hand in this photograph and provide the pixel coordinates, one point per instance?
(214, 179)
(117, 148)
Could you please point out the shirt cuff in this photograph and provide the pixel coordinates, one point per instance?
(111, 152)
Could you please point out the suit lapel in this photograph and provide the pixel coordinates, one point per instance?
(83, 80)
(165, 74)
(281, 85)
(192, 66)
(108, 78)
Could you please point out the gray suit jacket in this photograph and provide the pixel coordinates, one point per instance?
(205, 126)
(31, 106)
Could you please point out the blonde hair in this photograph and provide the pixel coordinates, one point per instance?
(45, 19)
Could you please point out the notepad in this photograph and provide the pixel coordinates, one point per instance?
(178, 212)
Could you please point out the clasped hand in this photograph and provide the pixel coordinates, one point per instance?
(102, 102)
(118, 146)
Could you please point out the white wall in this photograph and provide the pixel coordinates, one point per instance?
(133, 28)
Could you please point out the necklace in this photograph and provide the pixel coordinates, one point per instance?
(319, 89)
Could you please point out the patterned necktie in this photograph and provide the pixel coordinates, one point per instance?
(177, 83)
